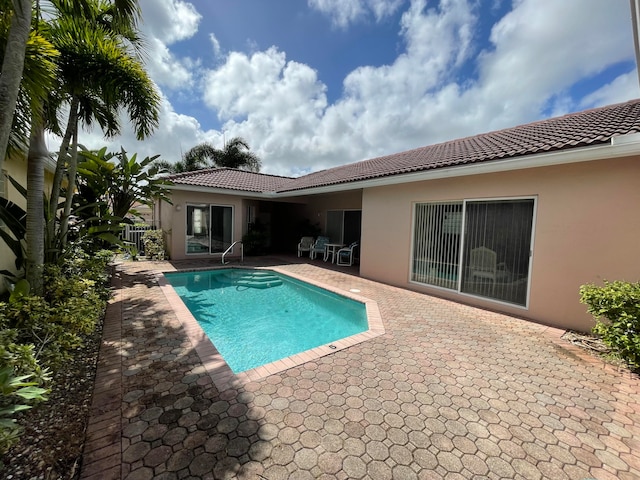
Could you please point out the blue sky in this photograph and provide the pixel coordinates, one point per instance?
(312, 84)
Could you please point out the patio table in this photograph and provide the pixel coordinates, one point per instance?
(330, 250)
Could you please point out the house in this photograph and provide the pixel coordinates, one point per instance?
(514, 220)
(16, 168)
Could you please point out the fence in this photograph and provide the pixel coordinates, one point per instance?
(133, 234)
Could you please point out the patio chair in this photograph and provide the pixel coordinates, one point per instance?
(318, 247)
(483, 264)
(305, 245)
(347, 255)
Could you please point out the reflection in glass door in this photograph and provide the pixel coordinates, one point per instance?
(198, 229)
(209, 228)
(221, 228)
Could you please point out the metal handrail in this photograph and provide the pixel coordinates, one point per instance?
(231, 248)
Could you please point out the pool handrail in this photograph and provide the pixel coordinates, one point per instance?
(231, 248)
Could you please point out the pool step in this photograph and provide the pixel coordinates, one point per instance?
(255, 279)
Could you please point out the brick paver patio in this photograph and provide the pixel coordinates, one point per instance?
(448, 391)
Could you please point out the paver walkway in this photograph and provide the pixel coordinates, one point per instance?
(449, 391)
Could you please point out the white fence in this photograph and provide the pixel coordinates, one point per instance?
(133, 234)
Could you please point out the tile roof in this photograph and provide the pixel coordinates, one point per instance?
(232, 179)
(587, 128)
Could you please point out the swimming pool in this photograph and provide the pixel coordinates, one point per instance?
(254, 317)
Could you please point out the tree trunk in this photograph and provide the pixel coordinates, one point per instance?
(71, 175)
(63, 157)
(38, 154)
(12, 67)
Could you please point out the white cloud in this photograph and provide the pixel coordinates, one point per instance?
(536, 56)
(279, 102)
(167, 22)
(538, 52)
(344, 12)
(217, 49)
(619, 90)
(543, 47)
(167, 70)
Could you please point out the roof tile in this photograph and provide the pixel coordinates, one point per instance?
(590, 127)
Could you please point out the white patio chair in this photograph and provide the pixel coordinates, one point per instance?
(305, 245)
(347, 255)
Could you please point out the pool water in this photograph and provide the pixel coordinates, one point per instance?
(254, 317)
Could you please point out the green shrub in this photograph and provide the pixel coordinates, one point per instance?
(616, 308)
(16, 394)
(37, 323)
(92, 266)
(154, 247)
(38, 334)
(21, 379)
(75, 300)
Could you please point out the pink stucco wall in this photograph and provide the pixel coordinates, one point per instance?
(586, 229)
(173, 219)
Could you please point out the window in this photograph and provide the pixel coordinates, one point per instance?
(481, 248)
(209, 228)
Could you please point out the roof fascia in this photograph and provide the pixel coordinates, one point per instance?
(614, 149)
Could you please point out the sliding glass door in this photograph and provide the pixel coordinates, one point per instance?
(436, 244)
(221, 228)
(478, 247)
(344, 226)
(209, 228)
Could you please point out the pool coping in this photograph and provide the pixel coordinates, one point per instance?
(215, 365)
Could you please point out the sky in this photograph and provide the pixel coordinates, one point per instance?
(313, 84)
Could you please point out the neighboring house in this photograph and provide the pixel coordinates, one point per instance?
(17, 169)
(513, 220)
(144, 213)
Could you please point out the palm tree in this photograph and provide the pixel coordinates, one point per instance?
(101, 46)
(235, 154)
(12, 66)
(99, 73)
(187, 164)
(31, 66)
(37, 69)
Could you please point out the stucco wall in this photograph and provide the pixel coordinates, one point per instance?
(173, 219)
(586, 230)
(318, 205)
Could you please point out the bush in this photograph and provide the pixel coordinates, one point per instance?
(616, 308)
(38, 334)
(20, 380)
(16, 395)
(153, 241)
